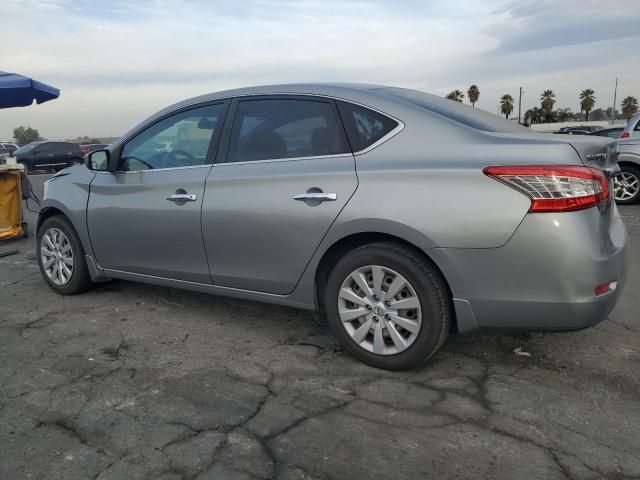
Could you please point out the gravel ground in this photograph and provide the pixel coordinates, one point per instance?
(132, 381)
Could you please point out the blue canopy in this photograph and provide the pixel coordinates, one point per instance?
(19, 91)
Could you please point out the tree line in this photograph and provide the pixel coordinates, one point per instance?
(546, 113)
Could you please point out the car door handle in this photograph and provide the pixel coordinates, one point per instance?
(317, 196)
(182, 197)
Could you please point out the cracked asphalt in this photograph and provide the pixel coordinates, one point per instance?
(132, 381)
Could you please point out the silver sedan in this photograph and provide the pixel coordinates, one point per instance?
(404, 217)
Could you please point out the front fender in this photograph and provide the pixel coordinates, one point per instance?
(68, 194)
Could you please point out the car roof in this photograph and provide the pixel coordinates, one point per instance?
(392, 101)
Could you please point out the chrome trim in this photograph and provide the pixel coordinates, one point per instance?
(207, 165)
(388, 136)
(321, 196)
(288, 159)
(182, 197)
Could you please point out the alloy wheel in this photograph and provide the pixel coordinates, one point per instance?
(380, 310)
(626, 186)
(57, 256)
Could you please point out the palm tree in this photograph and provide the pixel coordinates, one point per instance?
(506, 105)
(629, 106)
(547, 100)
(564, 114)
(456, 96)
(587, 101)
(473, 94)
(533, 115)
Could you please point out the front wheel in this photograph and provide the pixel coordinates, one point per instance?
(61, 257)
(388, 305)
(627, 185)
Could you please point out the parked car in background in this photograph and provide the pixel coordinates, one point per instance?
(632, 129)
(627, 184)
(12, 147)
(580, 128)
(611, 132)
(401, 215)
(90, 147)
(48, 155)
(572, 131)
(4, 153)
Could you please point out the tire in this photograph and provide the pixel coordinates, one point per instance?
(627, 188)
(79, 279)
(424, 287)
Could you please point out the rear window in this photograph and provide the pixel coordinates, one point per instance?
(364, 126)
(466, 115)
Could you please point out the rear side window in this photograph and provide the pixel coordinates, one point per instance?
(268, 129)
(364, 127)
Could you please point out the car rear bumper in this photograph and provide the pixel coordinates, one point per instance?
(544, 277)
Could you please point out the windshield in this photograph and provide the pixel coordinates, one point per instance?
(27, 147)
(469, 116)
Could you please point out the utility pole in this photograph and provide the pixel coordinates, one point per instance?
(613, 112)
(520, 107)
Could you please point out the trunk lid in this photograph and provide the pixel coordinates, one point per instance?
(594, 151)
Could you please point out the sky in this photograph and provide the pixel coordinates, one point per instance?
(118, 61)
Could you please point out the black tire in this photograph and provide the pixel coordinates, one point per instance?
(430, 289)
(636, 173)
(80, 279)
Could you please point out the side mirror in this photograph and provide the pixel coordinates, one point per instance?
(98, 160)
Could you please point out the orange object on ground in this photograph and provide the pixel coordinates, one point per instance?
(10, 204)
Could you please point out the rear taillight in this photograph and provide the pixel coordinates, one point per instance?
(555, 188)
(625, 135)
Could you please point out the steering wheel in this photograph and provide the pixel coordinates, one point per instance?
(171, 160)
(138, 160)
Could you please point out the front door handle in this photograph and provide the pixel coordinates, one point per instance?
(316, 196)
(182, 197)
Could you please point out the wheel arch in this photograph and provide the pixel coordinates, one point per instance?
(342, 246)
(48, 212)
(630, 163)
(51, 207)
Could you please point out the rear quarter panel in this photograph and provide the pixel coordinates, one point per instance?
(629, 152)
(429, 177)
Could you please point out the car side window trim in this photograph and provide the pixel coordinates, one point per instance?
(212, 149)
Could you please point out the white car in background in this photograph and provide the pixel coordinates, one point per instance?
(632, 130)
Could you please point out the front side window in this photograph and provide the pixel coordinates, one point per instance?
(285, 128)
(364, 127)
(181, 140)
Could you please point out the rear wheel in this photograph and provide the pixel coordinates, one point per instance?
(388, 305)
(61, 257)
(627, 185)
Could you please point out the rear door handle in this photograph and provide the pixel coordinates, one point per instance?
(182, 197)
(317, 196)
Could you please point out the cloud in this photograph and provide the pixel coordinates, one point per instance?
(118, 61)
(535, 24)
